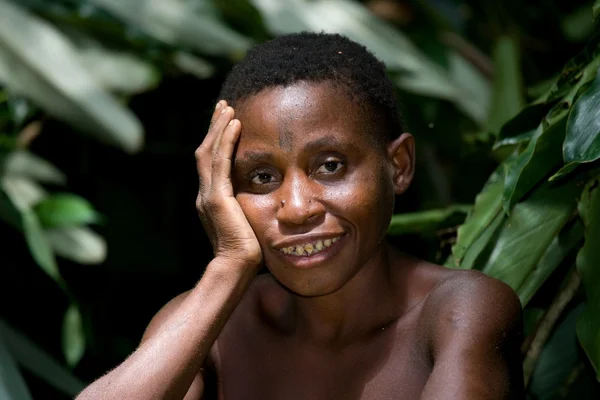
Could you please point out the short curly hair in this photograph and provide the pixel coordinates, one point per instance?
(318, 57)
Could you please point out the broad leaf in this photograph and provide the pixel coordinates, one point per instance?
(38, 62)
(539, 158)
(177, 23)
(582, 143)
(473, 257)
(73, 337)
(588, 260)
(507, 95)
(21, 163)
(12, 384)
(66, 209)
(486, 208)
(529, 230)
(560, 247)
(78, 244)
(558, 358)
(427, 221)
(28, 355)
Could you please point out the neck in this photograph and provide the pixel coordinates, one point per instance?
(365, 303)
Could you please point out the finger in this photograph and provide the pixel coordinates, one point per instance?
(203, 153)
(219, 106)
(223, 155)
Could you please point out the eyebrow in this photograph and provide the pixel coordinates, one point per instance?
(252, 157)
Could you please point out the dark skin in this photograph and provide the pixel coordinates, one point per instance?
(342, 315)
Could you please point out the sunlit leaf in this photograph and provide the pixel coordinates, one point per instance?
(38, 62)
(12, 384)
(527, 233)
(66, 209)
(539, 158)
(427, 221)
(486, 208)
(79, 244)
(28, 355)
(507, 95)
(177, 23)
(73, 337)
(582, 143)
(21, 163)
(560, 247)
(588, 260)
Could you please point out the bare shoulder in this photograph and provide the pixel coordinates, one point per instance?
(467, 301)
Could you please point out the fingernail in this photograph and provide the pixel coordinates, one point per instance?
(231, 122)
(219, 105)
(224, 110)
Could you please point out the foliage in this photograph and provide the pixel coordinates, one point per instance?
(86, 62)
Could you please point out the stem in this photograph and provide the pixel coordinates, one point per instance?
(546, 325)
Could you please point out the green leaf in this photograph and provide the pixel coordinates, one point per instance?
(486, 208)
(596, 8)
(578, 24)
(78, 244)
(38, 62)
(21, 163)
(507, 95)
(588, 260)
(427, 221)
(473, 256)
(176, 23)
(560, 247)
(73, 337)
(416, 73)
(558, 358)
(35, 360)
(533, 164)
(582, 143)
(66, 209)
(529, 230)
(12, 384)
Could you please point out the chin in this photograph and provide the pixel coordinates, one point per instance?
(311, 285)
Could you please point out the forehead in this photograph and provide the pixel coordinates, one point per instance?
(289, 115)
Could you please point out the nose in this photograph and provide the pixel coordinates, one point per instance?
(299, 201)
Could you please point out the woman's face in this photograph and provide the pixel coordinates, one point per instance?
(315, 188)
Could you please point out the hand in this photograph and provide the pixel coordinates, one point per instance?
(230, 233)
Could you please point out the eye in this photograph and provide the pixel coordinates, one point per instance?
(262, 178)
(330, 167)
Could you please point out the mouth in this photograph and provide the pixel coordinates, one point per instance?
(309, 248)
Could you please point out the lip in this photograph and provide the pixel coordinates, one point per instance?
(313, 260)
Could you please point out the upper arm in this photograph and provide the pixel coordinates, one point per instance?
(475, 342)
(197, 387)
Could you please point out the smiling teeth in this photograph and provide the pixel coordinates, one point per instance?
(308, 249)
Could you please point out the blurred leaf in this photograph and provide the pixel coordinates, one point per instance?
(582, 143)
(79, 244)
(21, 163)
(193, 65)
(531, 317)
(525, 121)
(596, 8)
(529, 230)
(558, 358)
(12, 384)
(8, 212)
(66, 209)
(507, 95)
(427, 221)
(417, 73)
(38, 62)
(560, 247)
(588, 260)
(533, 164)
(579, 24)
(176, 23)
(487, 206)
(24, 194)
(31, 357)
(73, 337)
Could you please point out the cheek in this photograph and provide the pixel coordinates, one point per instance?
(258, 212)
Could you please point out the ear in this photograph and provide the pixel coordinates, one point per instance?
(401, 156)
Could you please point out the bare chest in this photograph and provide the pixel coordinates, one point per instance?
(392, 364)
